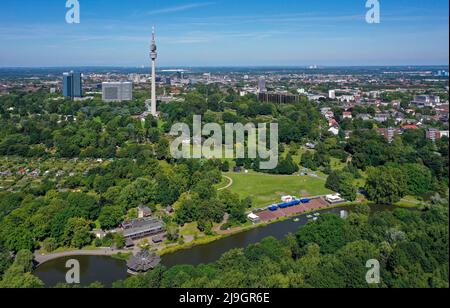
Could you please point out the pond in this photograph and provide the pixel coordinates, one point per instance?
(107, 270)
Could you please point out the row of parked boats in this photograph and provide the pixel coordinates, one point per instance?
(313, 217)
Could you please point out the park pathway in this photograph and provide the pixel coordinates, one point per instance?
(229, 184)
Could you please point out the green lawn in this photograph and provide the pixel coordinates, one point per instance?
(409, 202)
(336, 164)
(190, 229)
(267, 189)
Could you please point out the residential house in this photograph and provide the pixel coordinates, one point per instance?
(347, 115)
(389, 133)
(433, 134)
(381, 117)
(364, 116)
(334, 130)
(144, 211)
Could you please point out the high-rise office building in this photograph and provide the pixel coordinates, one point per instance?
(117, 91)
(278, 98)
(77, 85)
(67, 85)
(262, 85)
(332, 94)
(72, 85)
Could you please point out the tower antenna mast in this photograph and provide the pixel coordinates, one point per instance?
(153, 57)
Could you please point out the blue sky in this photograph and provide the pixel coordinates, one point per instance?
(224, 32)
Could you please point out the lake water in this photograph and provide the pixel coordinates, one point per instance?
(107, 270)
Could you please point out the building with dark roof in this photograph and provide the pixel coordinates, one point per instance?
(142, 262)
(278, 98)
(144, 211)
(129, 243)
(140, 228)
(158, 239)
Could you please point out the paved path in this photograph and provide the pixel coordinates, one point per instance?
(42, 258)
(229, 184)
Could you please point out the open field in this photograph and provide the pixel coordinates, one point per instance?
(267, 189)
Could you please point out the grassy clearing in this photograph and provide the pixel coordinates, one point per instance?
(266, 189)
(190, 229)
(408, 202)
(337, 164)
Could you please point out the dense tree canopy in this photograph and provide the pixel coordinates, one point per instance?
(411, 246)
(342, 182)
(386, 185)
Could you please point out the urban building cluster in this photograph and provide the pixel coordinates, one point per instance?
(399, 100)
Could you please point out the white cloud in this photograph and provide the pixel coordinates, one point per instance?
(178, 8)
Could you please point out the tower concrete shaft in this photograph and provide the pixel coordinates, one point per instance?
(153, 57)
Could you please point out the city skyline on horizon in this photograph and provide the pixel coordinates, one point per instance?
(211, 34)
(208, 68)
(268, 67)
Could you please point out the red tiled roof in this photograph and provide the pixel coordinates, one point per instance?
(411, 126)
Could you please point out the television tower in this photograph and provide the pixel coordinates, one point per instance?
(153, 56)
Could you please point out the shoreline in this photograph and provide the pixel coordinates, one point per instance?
(44, 258)
(252, 227)
(200, 242)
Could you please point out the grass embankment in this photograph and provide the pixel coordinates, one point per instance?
(206, 239)
(197, 242)
(122, 256)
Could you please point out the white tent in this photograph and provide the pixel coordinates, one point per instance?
(253, 217)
